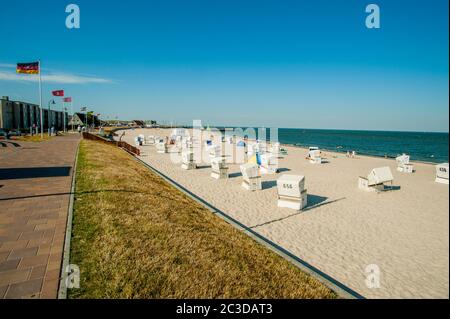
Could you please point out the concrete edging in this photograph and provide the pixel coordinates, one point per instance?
(62, 289)
(338, 287)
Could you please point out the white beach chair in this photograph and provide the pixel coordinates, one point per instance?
(442, 173)
(241, 152)
(137, 141)
(187, 160)
(219, 169)
(214, 151)
(269, 163)
(187, 144)
(376, 179)
(315, 156)
(403, 164)
(251, 178)
(291, 191)
(161, 146)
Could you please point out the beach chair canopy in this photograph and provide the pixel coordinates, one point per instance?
(380, 175)
(249, 170)
(314, 154)
(217, 163)
(402, 159)
(442, 170)
(290, 185)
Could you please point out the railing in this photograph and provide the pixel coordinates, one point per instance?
(129, 148)
(124, 145)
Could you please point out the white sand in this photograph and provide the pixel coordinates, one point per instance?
(404, 232)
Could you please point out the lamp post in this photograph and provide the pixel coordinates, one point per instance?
(64, 118)
(49, 116)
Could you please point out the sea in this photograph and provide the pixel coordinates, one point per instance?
(421, 146)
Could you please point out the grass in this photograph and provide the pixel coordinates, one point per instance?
(135, 236)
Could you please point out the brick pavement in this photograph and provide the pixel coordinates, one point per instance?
(35, 182)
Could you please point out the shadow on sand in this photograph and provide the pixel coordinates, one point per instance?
(314, 201)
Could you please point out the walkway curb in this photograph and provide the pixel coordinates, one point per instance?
(62, 290)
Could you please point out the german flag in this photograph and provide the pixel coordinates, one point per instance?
(28, 68)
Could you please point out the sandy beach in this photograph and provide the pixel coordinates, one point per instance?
(404, 232)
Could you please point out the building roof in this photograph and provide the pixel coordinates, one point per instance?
(82, 118)
(139, 122)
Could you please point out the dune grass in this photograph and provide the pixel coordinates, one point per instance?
(135, 236)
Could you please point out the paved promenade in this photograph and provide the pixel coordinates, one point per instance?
(35, 182)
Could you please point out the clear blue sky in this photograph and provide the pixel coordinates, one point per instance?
(310, 64)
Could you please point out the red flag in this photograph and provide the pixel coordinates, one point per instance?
(67, 99)
(58, 93)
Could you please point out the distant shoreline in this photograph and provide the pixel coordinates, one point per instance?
(336, 151)
(361, 154)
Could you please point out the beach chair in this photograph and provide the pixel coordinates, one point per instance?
(442, 173)
(315, 156)
(376, 179)
(251, 178)
(269, 163)
(187, 160)
(241, 152)
(137, 141)
(161, 146)
(403, 164)
(187, 144)
(219, 169)
(214, 151)
(291, 191)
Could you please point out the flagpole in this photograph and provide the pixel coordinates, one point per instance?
(64, 116)
(40, 99)
(71, 112)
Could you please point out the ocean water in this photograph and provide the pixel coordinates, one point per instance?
(421, 146)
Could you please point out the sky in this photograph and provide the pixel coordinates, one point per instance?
(305, 64)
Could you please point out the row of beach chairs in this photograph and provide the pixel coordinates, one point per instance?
(290, 188)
